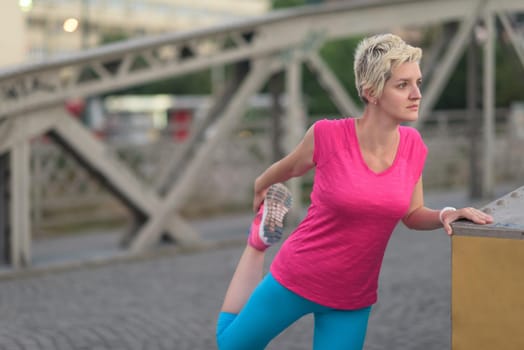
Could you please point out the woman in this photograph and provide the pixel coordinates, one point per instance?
(368, 177)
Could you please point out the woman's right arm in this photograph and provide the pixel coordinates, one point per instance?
(295, 164)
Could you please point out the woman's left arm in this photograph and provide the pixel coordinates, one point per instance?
(420, 217)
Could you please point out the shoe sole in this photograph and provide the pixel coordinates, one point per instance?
(276, 206)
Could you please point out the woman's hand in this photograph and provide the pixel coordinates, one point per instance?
(472, 214)
(258, 199)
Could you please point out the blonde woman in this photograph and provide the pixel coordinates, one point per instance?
(368, 177)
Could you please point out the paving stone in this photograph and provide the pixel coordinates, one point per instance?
(172, 302)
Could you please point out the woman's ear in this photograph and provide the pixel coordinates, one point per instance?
(369, 96)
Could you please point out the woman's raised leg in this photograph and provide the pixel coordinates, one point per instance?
(246, 277)
(266, 229)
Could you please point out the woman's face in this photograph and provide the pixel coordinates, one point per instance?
(401, 96)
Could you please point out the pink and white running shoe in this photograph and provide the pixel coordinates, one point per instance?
(268, 225)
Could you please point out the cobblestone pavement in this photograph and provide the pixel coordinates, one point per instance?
(171, 302)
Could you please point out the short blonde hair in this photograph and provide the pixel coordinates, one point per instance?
(375, 57)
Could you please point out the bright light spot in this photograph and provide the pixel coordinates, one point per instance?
(25, 5)
(70, 25)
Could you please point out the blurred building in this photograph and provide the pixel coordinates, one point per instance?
(13, 34)
(36, 29)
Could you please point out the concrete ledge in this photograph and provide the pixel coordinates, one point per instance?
(508, 216)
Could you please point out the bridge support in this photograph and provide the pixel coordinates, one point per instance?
(296, 125)
(488, 98)
(5, 234)
(15, 221)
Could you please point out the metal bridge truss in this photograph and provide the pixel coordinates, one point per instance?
(32, 97)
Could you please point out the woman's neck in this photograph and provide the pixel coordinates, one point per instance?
(376, 133)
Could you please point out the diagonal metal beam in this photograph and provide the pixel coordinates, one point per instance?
(514, 37)
(116, 176)
(25, 127)
(332, 86)
(16, 132)
(451, 57)
(177, 162)
(433, 54)
(258, 75)
(103, 162)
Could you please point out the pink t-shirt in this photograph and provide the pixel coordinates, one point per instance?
(334, 256)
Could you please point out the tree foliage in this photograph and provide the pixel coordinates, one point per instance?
(509, 82)
(338, 55)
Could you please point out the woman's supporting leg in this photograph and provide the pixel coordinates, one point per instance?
(341, 329)
(270, 310)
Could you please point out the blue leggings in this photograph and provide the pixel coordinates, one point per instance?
(272, 308)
